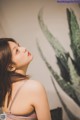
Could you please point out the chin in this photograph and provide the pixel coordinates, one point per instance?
(31, 58)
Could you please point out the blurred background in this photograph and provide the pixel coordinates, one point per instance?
(50, 31)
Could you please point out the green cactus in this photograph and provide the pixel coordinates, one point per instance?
(75, 45)
(62, 56)
(69, 113)
(64, 85)
(74, 37)
(67, 65)
(61, 53)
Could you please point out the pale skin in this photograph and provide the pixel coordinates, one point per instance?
(32, 95)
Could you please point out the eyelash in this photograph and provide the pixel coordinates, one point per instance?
(17, 51)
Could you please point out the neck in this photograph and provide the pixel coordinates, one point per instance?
(22, 71)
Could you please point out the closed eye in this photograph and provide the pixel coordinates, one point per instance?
(17, 51)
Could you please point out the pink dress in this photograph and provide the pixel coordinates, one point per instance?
(10, 116)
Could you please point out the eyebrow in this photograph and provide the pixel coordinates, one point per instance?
(15, 46)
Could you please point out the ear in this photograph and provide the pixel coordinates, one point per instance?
(11, 68)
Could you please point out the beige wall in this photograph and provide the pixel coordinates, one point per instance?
(19, 20)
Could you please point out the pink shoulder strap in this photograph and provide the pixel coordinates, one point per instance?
(16, 95)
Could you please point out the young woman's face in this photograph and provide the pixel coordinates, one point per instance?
(20, 56)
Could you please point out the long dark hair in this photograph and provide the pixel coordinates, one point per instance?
(7, 77)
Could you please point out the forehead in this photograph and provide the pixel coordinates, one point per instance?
(12, 45)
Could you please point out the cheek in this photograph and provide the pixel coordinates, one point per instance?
(17, 59)
(21, 59)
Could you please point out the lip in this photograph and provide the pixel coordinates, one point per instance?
(29, 53)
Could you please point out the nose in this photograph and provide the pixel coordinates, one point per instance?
(23, 49)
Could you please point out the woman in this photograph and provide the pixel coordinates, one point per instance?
(20, 97)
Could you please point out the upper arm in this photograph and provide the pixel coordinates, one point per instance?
(40, 101)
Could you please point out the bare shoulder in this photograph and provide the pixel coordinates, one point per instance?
(38, 99)
(34, 85)
(33, 89)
